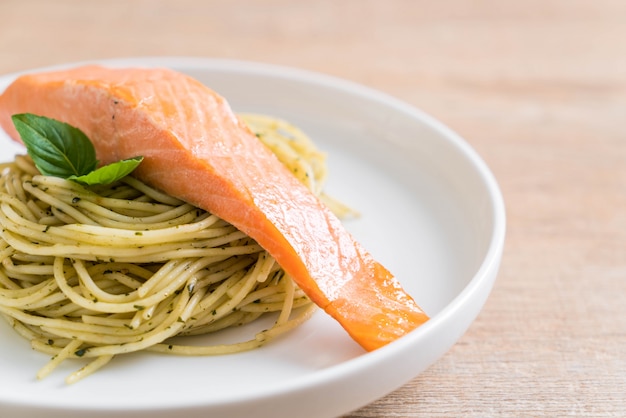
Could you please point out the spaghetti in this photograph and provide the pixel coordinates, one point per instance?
(107, 270)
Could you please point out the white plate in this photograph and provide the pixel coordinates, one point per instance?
(431, 212)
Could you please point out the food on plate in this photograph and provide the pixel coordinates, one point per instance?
(196, 150)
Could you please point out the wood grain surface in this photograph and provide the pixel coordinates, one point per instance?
(537, 87)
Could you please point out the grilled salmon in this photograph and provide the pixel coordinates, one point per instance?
(196, 149)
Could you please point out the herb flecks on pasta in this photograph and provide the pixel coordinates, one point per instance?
(96, 271)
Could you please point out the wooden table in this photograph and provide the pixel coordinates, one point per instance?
(537, 87)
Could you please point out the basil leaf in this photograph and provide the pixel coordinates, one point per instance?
(57, 149)
(109, 173)
(61, 150)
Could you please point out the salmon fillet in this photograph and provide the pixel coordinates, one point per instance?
(195, 148)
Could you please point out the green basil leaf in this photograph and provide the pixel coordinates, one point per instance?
(109, 173)
(61, 150)
(57, 149)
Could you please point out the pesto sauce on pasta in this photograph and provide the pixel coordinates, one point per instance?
(106, 270)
